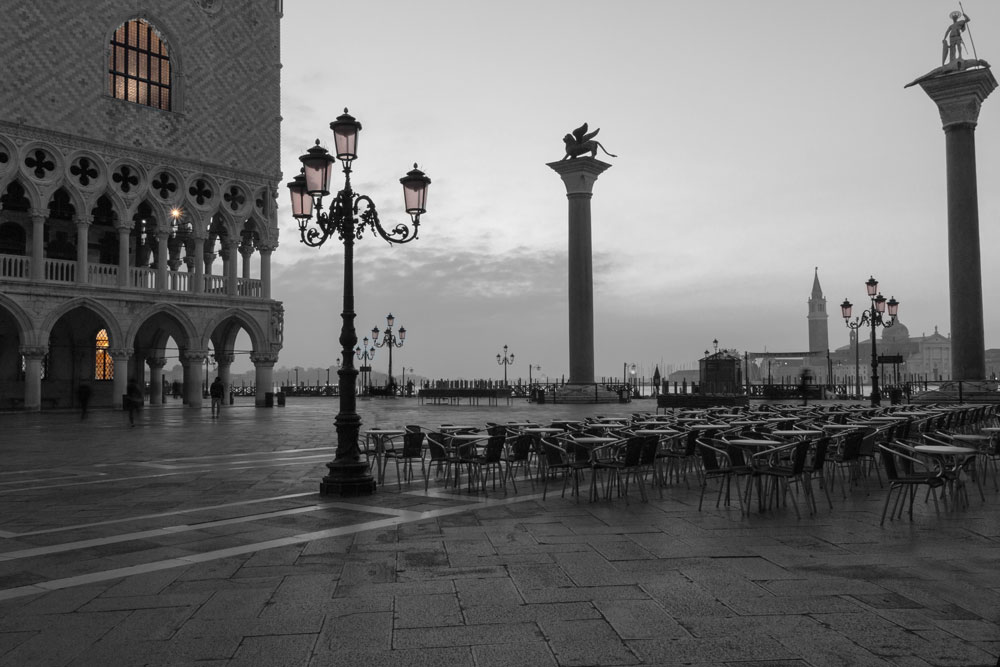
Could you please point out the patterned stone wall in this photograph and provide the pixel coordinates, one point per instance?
(226, 62)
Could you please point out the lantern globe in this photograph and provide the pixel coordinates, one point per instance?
(415, 191)
(316, 165)
(345, 136)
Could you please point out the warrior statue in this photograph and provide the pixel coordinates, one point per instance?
(952, 47)
(580, 142)
(952, 44)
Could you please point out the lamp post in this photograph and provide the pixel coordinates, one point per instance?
(403, 381)
(530, 367)
(505, 360)
(872, 317)
(346, 220)
(296, 376)
(365, 353)
(390, 341)
(631, 370)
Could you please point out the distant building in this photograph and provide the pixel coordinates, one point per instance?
(139, 164)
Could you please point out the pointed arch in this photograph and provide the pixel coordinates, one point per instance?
(115, 332)
(224, 325)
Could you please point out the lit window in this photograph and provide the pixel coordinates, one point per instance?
(139, 65)
(104, 365)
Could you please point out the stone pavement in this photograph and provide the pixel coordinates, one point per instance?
(193, 541)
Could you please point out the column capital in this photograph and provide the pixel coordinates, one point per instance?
(156, 362)
(263, 358)
(38, 214)
(120, 353)
(34, 351)
(959, 96)
(83, 220)
(224, 359)
(579, 174)
(194, 356)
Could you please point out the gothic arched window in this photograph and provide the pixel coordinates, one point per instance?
(104, 365)
(139, 65)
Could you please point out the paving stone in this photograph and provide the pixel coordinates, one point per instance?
(273, 651)
(587, 642)
(421, 611)
(465, 635)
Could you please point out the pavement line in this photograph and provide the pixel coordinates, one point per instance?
(106, 480)
(143, 517)
(218, 554)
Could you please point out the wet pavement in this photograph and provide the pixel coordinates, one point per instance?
(188, 540)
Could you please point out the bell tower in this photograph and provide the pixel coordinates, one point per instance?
(819, 332)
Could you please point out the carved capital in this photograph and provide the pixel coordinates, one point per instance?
(960, 96)
(156, 362)
(34, 351)
(83, 220)
(580, 174)
(120, 354)
(193, 356)
(225, 359)
(264, 359)
(38, 215)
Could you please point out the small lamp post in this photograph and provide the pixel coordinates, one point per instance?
(872, 317)
(348, 217)
(365, 353)
(390, 341)
(505, 360)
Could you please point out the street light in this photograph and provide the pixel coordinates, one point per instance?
(390, 341)
(349, 215)
(530, 367)
(505, 360)
(403, 381)
(365, 353)
(872, 317)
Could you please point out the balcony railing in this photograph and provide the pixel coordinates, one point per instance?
(18, 267)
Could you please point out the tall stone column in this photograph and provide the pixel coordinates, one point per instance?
(263, 377)
(198, 284)
(156, 365)
(162, 253)
(33, 357)
(959, 96)
(579, 176)
(82, 245)
(119, 383)
(265, 271)
(194, 362)
(38, 244)
(124, 235)
(225, 362)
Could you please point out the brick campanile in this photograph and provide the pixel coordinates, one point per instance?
(579, 176)
(959, 97)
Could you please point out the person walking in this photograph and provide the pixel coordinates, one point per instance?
(133, 400)
(217, 390)
(83, 396)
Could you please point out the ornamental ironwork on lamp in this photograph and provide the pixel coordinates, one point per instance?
(881, 313)
(348, 216)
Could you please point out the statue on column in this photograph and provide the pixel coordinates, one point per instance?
(952, 44)
(951, 50)
(581, 142)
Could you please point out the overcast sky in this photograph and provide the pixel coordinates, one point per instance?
(755, 141)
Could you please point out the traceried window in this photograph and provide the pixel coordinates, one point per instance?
(104, 365)
(139, 65)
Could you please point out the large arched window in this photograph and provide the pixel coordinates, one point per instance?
(139, 65)
(104, 365)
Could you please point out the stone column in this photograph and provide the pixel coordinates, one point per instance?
(579, 176)
(265, 271)
(124, 235)
(119, 384)
(33, 357)
(82, 244)
(38, 244)
(194, 362)
(264, 375)
(161, 259)
(156, 365)
(959, 97)
(230, 266)
(198, 284)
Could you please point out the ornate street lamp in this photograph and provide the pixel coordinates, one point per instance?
(350, 213)
(365, 353)
(874, 318)
(505, 360)
(390, 341)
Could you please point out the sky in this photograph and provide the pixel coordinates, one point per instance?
(755, 143)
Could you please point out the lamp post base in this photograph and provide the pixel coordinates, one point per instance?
(348, 478)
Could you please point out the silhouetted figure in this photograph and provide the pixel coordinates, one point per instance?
(804, 385)
(133, 400)
(83, 396)
(216, 391)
